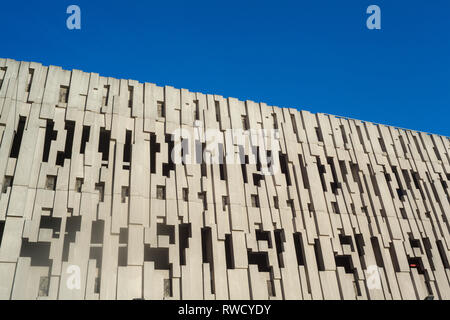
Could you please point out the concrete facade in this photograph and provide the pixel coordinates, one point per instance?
(92, 207)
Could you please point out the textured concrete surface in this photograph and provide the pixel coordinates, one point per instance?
(92, 207)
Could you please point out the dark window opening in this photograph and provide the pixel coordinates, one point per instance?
(163, 229)
(436, 195)
(169, 165)
(415, 243)
(444, 184)
(224, 203)
(73, 224)
(154, 148)
(275, 121)
(335, 184)
(202, 197)
(343, 168)
(122, 260)
(322, 171)
(403, 213)
(257, 179)
(67, 154)
(290, 204)
(161, 192)
(96, 253)
(2, 229)
(261, 259)
(270, 288)
(127, 147)
(50, 183)
(419, 149)
(125, 193)
(377, 251)
(84, 138)
(344, 135)
(401, 194)
(311, 208)
(103, 143)
(160, 256)
(123, 248)
(223, 171)
(207, 253)
(97, 284)
(168, 291)
(49, 136)
(70, 128)
(7, 182)
(60, 158)
(407, 178)
(387, 176)
(276, 204)
(130, 96)
(100, 187)
(49, 222)
(258, 158)
(2, 75)
(39, 252)
(105, 97)
(319, 256)
(160, 107)
(63, 94)
(279, 239)
(346, 240)
(18, 138)
(294, 124)
(78, 184)
(184, 233)
(97, 231)
(355, 174)
(217, 106)
(299, 249)
(285, 167)
(416, 263)
(335, 207)
(442, 254)
(394, 258)
(244, 122)
(229, 254)
(185, 194)
(304, 172)
(427, 246)
(196, 110)
(255, 200)
(382, 145)
(264, 236)
(402, 142)
(359, 240)
(123, 236)
(360, 136)
(346, 262)
(243, 160)
(244, 172)
(319, 134)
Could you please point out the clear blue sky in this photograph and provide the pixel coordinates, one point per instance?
(314, 55)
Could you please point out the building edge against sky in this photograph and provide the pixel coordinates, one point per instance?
(93, 206)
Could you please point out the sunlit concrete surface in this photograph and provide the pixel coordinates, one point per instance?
(93, 207)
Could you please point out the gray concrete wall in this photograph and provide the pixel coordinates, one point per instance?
(359, 210)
